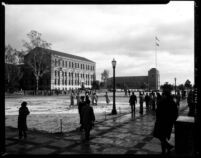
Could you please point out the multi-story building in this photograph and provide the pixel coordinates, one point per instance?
(66, 71)
(150, 82)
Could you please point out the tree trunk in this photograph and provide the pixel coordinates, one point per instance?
(37, 79)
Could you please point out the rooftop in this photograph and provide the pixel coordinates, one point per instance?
(63, 54)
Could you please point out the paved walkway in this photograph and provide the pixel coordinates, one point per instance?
(121, 135)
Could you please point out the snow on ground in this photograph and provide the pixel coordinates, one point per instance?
(47, 112)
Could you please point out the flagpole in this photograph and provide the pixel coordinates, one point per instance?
(155, 55)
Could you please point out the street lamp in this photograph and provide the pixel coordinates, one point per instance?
(175, 79)
(114, 111)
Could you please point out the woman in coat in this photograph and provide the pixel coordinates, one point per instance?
(22, 122)
(166, 115)
(107, 98)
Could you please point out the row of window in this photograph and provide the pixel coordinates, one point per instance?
(71, 74)
(59, 62)
(70, 82)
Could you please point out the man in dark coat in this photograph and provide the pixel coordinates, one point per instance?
(88, 118)
(166, 115)
(80, 106)
(141, 101)
(22, 122)
(147, 100)
(133, 101)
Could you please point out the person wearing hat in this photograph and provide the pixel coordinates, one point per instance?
(80, 106)
(22, 122)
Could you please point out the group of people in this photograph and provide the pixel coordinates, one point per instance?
(166, 107)
(150, 100)
(93, 95)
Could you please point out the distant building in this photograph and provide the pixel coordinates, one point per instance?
(66, 71)
(150, 82)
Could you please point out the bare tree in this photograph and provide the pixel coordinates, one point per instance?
(105, 76)
(13, 73)
(38, 60)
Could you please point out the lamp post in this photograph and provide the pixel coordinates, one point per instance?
(175, 79)
(114, 111)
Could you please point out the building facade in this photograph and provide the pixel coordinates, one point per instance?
(149, 82)
(66, 71)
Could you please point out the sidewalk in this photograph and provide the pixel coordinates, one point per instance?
(121, 135)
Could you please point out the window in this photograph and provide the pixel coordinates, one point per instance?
(55, 62)
(55, 72)
(58, 73)
(59, 63)
(63, 63)
(55, 81)
(69, 64)
(66, 63)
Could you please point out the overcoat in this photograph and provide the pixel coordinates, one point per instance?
(88, 117)
(22, 118)
(166, 115)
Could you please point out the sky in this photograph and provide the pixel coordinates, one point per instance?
(123, 32)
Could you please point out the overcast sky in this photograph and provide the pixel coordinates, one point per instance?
(103, 32)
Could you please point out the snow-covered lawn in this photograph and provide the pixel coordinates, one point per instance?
(47, 112)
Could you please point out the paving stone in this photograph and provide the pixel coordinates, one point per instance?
(18, 148)
(152, 147)
(10, 134)
(87, 148)
(40, 139)
(68, 153)
(114, 151)
(103, 128)
(142, 152)
(111, 134)
(8, 142)
(155, 140)
(128, 144)
(102, 140)
(74, 137)
(41, 151)
(62, 143)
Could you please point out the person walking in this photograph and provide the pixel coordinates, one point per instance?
(72, 99)
(78, 98)
(133, 101)
(166, 115)
(153, 101)
(88, 118)
(22, 120)
(80, 106)
(95, 99)
(147, 101)
(141, 100)
(107, 98)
